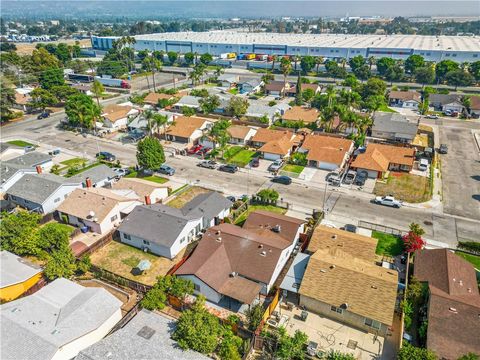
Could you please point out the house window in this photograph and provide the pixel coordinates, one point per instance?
(336, 309)
(66, 195)
(145, 242)
(372, 323)
(113, 218)
(182, 240)
(196, 287)
(56, 200)
(127, 237)
(197, 228)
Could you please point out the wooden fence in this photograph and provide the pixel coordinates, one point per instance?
(381, 228)
(120, 280)
(96, 245)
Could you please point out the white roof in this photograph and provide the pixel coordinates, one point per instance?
(15, 270)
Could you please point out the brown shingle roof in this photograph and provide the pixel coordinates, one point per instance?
(379, 156)
(265, 135)
(275, 86)
(326, 148)
(362, 247)
(185, 126)
(299, 113)
(141, 187)
(116, 112)
(280, 147)
(338, 278)
(22, 99)
(405, 95)
(238, 131)
(475, 102)
(152, 98)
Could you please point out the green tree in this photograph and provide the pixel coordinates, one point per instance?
(410, 352)
(63, 53)
(237, 106)
(84, 264)
(351, 81)
(7, 99)
(150, 153)
(337, 355)
(97, 90)
(254, 314)
(172, 56)
(413, 63)
(18, 232)
(424, 75)
(444, 67)
(60, 263)
(206, 58)
(189, 58)
(357, 62)
(459, 78)
(394, 73)
(469, 356)
(474, 69)
(63, 92)
(286, 69)
(298, 94)
(197, 329)
(373, 86)
(383, 64)
(115, 68)
(307, 63)
(82, 111)
(308, 95)
(51, 77)
(219, 134)
(209, 104)
(42, 60)
(42, 98)
(291, 347)
(154, 299)
(416, 229)
(53, 237)
(230, 346)
(363, 72)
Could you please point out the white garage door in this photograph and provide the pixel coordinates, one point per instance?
(269, 156)
(327, 166)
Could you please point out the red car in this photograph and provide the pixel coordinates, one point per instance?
(194, 149)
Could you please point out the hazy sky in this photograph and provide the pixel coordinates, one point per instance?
(239, 8)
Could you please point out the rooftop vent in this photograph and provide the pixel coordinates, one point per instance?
(323, 271)
(453, 310)
(260, 246)
(332, 266)
(374, 287)
(146, 332)
(219, 239)
(263, 253)
(277, 228)
(334, 236)
(233, 274)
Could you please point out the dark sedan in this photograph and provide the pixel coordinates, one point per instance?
(231, 168)
(285, 180)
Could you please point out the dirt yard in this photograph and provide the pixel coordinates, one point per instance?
(406, 187)
(27, 48)
(183, 198)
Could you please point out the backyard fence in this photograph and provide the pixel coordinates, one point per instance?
(96, 245)
(118, 279)
(126, 319)
(381, 228)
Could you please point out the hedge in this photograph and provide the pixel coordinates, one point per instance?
(472, 246)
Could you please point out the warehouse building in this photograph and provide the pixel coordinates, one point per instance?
(433, 48)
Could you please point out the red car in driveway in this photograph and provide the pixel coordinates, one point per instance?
(194, 149)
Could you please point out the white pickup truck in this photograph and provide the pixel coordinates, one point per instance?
(387, 201)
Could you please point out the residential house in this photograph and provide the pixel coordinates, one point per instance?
(41, 192)
(10, 174)
(99, 176)
(240, 135)
(282, 107)
(148, 336)
(153, 98)
(273, 144)
(292, 91)
(140, 124)
(379, 158)
(249, 85)
(393, 127)
(277, 88)
(326, 152)
(187, 101)
(117, 116)
(17, 275)
(228, 80)
(188, 130)
(99, 209)
(475, 106)
(224, 102)
(453, 303)
(257, 110)
(23, 99)
(404, 99)
(293, 279)
(57, 322)
(446, 102)
(149, 191)
(232, 265)
(9, 151)
(342, 281)
(308, 116)
(165, 231)
(32, 160)
(83, 88)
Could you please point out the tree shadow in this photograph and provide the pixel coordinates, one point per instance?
(475, 177)
(476, 197)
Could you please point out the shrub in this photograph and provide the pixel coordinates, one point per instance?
(470, 246)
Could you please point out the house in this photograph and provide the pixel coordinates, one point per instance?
(228, 80)
(83, 88)
(232, 265)
(153, 98)
(117, 116)
(393, 127)
(257, 110)
(404, 99)
(99, 209)
(10, 174)
(165, 231)
(249, 85)
(326, 152)
(9, 151)
(187, 101)
(140, 124)
(277, 149)
(293, 89)
(187, 130)
(293, 279)
(342, 281)
(99, 176)
(282, 107)
(150, 192)
(446, 102)
(41, 192)
(32, 160)
(148, 336)
(23, 99)
(57, 322)
(277, 88)
(299, 113)
(16, 276)
(240, 135)
(453, 302)
(475, 106)
(263, 136)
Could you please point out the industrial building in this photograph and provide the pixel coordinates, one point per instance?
(432, 48)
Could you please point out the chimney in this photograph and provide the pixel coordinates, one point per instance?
(148, 201)
(88, 182)
(39, 169)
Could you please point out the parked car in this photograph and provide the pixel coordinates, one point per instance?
(231, 198)
(361, 178)
(167, 170)
(121, 171)
(447, 113)
(350, 228)
(387, 201)
(194, 149)
(208, 164)
(146, 172)
(43, 115)
(54, 152)
(276, 165)
(105, 155)
(333, 179)
(285, 180)
(204, 151)
(350, 177)
(255, 162)
(443, 149)
(29, 148)
(231, 168)
(432, 116)
(423, 165)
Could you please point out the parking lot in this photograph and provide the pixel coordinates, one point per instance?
(460, 172)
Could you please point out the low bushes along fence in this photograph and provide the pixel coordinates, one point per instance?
(469, 246)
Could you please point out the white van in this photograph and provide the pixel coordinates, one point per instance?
(423, 165)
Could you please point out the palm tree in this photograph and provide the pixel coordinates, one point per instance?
(319, 61)
(274, 58)
(147, 66)
(160, 121)
(343, 61)
(295, 60)
(97, 90)
(331, 93)
(156, 65)
(371, 61)
(286, 68)
(149, 116)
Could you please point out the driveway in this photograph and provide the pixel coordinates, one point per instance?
(460, 172)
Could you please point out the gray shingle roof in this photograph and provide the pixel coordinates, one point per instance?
(443, 99)
(396, 123)
(256, 109)
(188, 101)
(96, 174)
(147, 336)
(7, 170)
(15, 270)
(36, 326)
(38, 187)
(207, 205)
(30, 159)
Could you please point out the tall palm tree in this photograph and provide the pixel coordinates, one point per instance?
(160, 121)
(286, 68)
(147, 67)
(319, 61)
(296, 59)
(371, 61)
(97, 90)
(343, 61)
(156, 65)
(274, 58)
(149, 116)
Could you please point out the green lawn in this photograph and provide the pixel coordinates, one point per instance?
(297, 169)
(74, 162)
(388, 244)
(74, 172)
(473, 259)
(231, 151)
(233, 91)
(241, 219)
(153, 178)
(243, 157)
(20, 143)
(385, 108)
